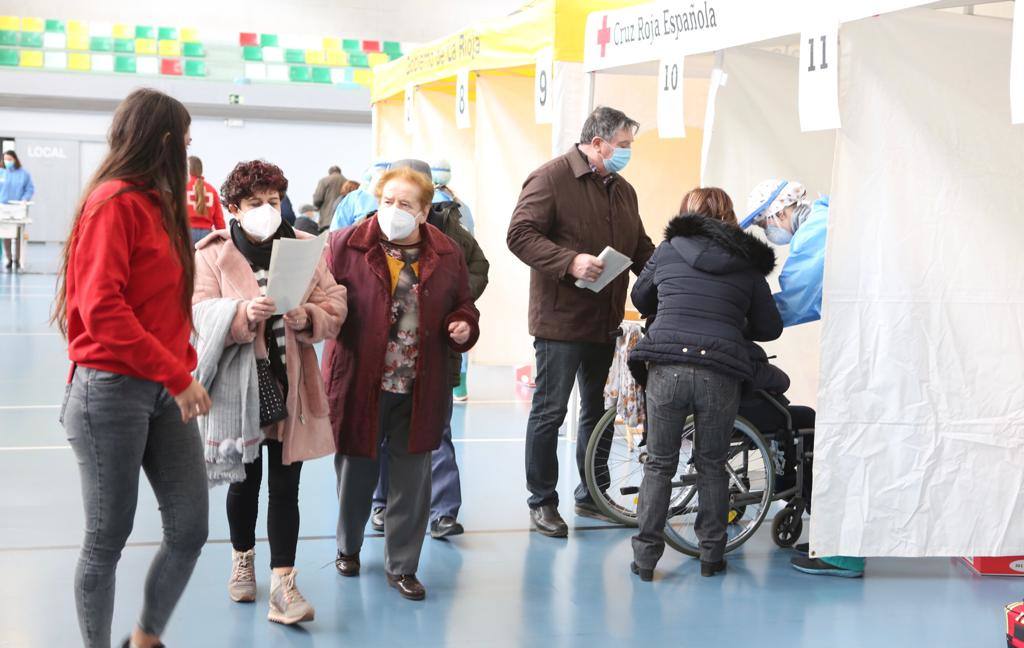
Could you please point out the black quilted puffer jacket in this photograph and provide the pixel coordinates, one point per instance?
(706, 285)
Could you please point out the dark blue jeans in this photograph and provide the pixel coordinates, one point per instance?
(117, 427)
(445, 485)
(674, 392)
(559, 366)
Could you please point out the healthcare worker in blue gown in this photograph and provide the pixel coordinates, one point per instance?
(781, 209)
(359, 203)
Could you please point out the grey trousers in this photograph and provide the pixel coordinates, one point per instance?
(673, 393)
(116, 426)
(408, 504)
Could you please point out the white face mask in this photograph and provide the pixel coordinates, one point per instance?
(395, 223)
(260, 222)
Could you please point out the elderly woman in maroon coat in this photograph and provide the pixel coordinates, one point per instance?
(386, 373)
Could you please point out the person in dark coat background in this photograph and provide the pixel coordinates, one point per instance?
(388, 370)
(707, 285)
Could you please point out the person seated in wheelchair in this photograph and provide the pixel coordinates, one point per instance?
(766, 407)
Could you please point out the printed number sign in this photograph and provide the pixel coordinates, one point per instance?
(671, 119)
(409, 92)
(462, 99)
(542, 88)
(819, 78)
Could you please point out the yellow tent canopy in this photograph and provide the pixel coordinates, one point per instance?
(508, 42)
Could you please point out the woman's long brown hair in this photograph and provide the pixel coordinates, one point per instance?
(195, 169)
(147, 150)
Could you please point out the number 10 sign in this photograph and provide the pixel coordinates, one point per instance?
(819, 78)
(671, 121)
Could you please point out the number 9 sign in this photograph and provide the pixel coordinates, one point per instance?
(542, 86)
(462, 99)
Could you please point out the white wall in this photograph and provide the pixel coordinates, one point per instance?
(401, 20)
(303, 150)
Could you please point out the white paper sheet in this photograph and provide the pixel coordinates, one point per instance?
(292, 264)
(615, 263)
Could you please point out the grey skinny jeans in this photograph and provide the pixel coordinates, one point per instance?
(674, 391)
(116, 425)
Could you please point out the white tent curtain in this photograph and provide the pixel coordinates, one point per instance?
(920, 431)
(755, 135)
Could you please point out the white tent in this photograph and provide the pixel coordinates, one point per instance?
(918, 438)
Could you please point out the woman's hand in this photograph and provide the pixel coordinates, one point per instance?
(297, 320)
(459, 332)
(260, 309)
(193, 402)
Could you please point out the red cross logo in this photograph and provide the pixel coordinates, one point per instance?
(604, 35)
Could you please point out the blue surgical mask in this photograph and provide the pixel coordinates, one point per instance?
(778, 235)
(618, 161)
(9, 165)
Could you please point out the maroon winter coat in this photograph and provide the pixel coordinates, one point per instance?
(354, 362)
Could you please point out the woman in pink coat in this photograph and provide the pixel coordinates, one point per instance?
(233, 264)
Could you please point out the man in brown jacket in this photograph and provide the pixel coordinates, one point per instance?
(570, 209)
(328, 194)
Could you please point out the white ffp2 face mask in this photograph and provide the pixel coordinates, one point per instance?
(395, 223)
(260, 222)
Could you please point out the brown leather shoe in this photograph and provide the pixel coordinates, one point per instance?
(546, 520)
(408, 586)
(347, 565)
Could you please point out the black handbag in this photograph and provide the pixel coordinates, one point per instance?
(272, 406)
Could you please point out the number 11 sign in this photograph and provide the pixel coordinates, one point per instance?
(819, 78)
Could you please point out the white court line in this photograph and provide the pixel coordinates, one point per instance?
(67, 447)
(29, 334)
(9, 408)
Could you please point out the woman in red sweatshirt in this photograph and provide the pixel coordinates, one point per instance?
(124, 304)
(204, 211)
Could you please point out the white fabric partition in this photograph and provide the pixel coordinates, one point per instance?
(754, 134)
(920, 431)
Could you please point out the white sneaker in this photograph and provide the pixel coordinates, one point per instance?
(287, 605)
(242, 585)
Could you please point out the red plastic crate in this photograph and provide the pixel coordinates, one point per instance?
(371, 46)
(996, 565)
(170, 66)
(248, 39)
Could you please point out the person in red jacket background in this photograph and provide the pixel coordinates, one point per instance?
(204, 211)
(124, 302)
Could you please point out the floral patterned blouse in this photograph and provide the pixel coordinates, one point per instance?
(404, 337)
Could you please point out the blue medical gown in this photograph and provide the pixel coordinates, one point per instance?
(352, 208)
(799, 301)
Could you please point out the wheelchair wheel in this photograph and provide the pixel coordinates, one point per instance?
(615, 484)
(751, 488)
(787, 527)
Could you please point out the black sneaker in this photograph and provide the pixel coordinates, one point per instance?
(377, 519)
(817, 567)
(804, 548)
(444, 527)
(590, 510)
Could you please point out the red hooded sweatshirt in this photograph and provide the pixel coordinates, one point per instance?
(124, 285)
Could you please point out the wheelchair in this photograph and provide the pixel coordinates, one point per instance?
(758, 477)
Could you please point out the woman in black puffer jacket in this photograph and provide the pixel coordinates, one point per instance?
(706, 284)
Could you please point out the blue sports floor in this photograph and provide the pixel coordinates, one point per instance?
(498, 585)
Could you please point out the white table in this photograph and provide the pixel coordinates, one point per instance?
(13, 220)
